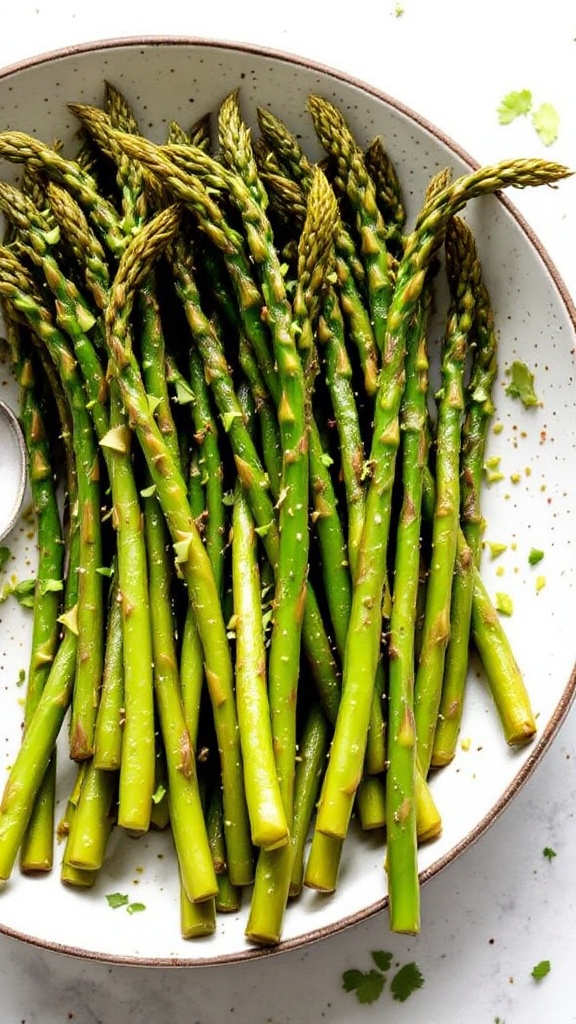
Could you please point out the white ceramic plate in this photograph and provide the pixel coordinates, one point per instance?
(182, 79)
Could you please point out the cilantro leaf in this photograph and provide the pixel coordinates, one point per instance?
(117, 899)
(406, 981)
(5, 554)
(514, 104)
(546, 121)
(24, 593)
(381, 959)
(367, 985)
(521, 384)
(549, 853)
(351, 979)
(541, 970)
(135, 908)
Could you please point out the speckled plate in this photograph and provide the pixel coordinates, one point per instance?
(12, 469)
(533, 505)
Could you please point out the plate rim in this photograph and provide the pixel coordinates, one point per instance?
(569, 692)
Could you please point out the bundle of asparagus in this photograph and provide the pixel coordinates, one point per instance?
(255, 607)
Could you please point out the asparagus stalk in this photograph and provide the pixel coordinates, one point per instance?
(186, 813)
(344, 769)
(290, 188)
(92, 820)
(22, 293)
(353, 180)
(273, 868)
(75, 319)
(171, 490)
(37, 847)
(463, 273)
(229, 897)
(312, 750)
(109, 719)
(39, 738)
(388, 194)
(18, 147)
(401, 804)
(168, 165)
(503, 675)
(269, 826)
(477, 415)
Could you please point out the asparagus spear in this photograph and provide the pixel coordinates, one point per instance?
(273, 868)
(109, 719)
(401, 812)
(18, 286)
(137, 776)
(463, 274)
(92, 820)
(37, 848)
(388, 194)
(353, 180)
(363, 648)
(290, 188)
(269, 825)
(478, 412)
(165, 473)
(503, 675)
(186, 813)
(39, 739)
(210, 219)
(18, 147)
(75, 319)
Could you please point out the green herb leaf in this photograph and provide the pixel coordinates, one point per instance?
(549, 853)
(541, 970)
(504, 604)
(135, 908)
(117, 899)
(521, 384)
(514, 104)
(535, 556)
(50, 586)
(496, 548)
(546, 121)
(367, 985)
(382, 959)
(5, 555)
(492, 469)
(406, 981)
(24, 593)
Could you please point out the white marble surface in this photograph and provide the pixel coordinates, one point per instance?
(502, 906)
